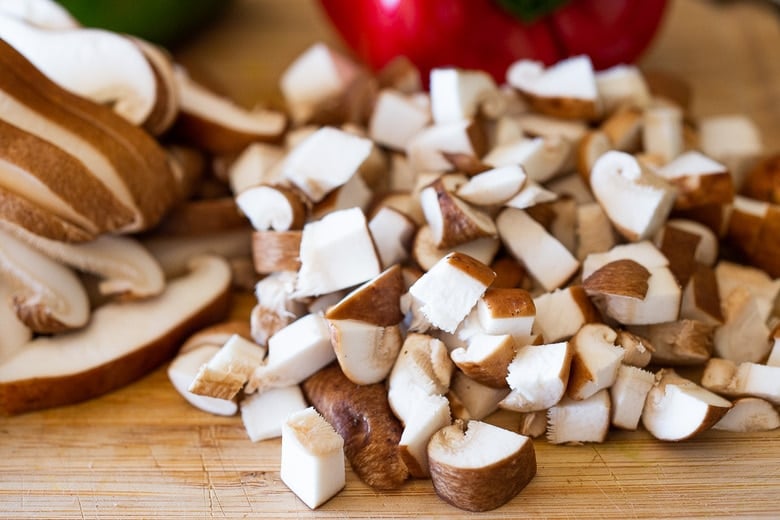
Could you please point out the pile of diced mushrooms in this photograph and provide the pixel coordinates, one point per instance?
(571, 246)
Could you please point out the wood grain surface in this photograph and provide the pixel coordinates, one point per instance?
(143, 452)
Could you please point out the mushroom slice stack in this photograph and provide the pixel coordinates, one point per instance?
(122, 341)
(116, 166)
(47, 296)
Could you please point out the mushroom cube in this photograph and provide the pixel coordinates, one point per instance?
(478, 400)
(448, 291)
(628, 395)
(457, 94)
(263, 414)
(572, 421)
(562, 312)
(228, 370)
(636, 201)
(538, 376)
(325, 160)
(183, 369)
(396, 119)
(312, 464)
(336, 252)
(596, 360)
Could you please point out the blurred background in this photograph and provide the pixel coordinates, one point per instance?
(729, 51)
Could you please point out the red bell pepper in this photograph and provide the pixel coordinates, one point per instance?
(491, 34)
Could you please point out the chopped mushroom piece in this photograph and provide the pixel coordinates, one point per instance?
(272, 207)
(458, 94)
(596, 360)
(628, 395)
(678, 409)
(486, 358)
(562, 312)
(183, 370)
(426, 150)
(336, 252)
(366, 352)
(477, 400)
(622, 85)
(682, 342)
(732, 139)
(478, 467)
(542, 158)
(543, 255)
(325, 160)
(507, 311)
(494, 186)
(566, 89)
(662, 132)
(453, 221)
(538, 376)
(312, 463)
(393, 232)
(699, 180)
(396, 119)
(423, 367)
(295, 352)
(635, 200)
(430, 414)
(228, 370)
(264, 414)
(426, 254)
(316, 77)
(749, 414)
(572, 421)
(744, 335)
(447, 292)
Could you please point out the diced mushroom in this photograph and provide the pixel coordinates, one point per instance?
(623, 129)
(451, 220)
(622, 85)
(638, 350)
(422, 368)
(355, 193)
(396, 119)
(314, 79)
(393, 233)
(478, 467)
(272, 207)
(295, 352)
(595, 362)
(572, 421)
(752, 229)
(366, 352)
(733, 140)
(494, 186)
(749, 414)
(336, 252)
(542, 254)
(542, 158)
(636, 201)
(486, 358)
(628, 395)
(426, 254)
(700, 299)
(593, 145)
(595, 233)
(430, 414)
(763, 180)
(478, 400)
(538, 376)
(562, 312)
(507, 311)
(426, 150)
(447, 292)
(566, 89)
(264, 414)
(699, 180)
(254, 166)
(224, 374)
(458, 94)
(744, 335)
(274, 251)
(325, 160)
(662, 131)
(682, 342)
(312, 460)
(678, 409)
(183, 370)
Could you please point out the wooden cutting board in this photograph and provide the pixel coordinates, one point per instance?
(143, 452)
